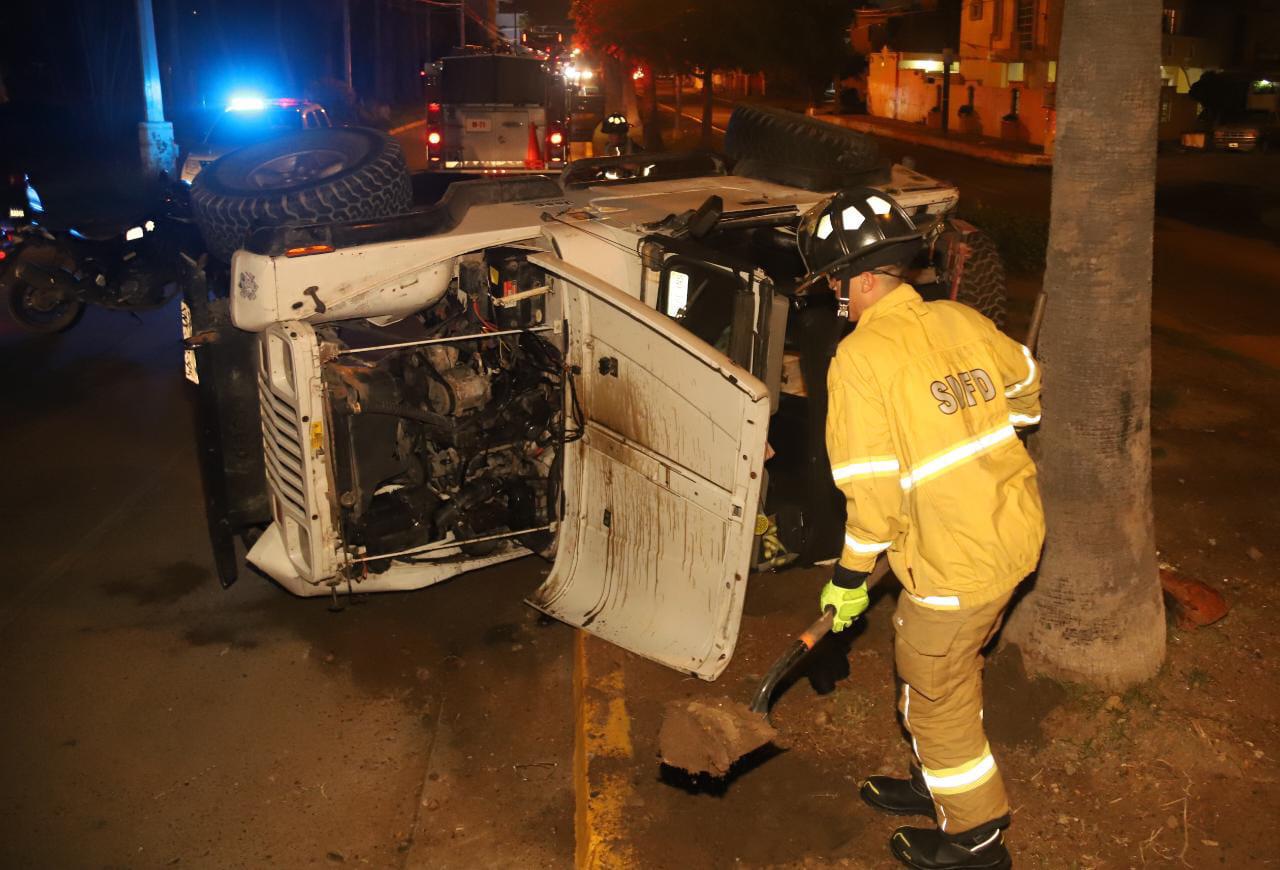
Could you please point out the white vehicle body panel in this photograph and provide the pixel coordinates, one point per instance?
(661, 491)
(484, 137)
(387, 281)
(606, 224)
(611, 255)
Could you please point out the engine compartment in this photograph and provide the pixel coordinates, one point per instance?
(448, 430)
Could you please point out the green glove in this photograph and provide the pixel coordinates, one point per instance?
(849, 603)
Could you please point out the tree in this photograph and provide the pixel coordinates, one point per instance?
(807, 43)
(1219, 95)
(719, 34)
(672, 36)
(1095, 612)
(109, 49)
(618, 31)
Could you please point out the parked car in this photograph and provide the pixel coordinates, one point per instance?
(251, 119)
(586, 368)
(1254, 129)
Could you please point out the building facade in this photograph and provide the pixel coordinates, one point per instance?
(1004, 65)
(1004, 72)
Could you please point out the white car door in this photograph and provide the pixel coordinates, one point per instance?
(661, 489)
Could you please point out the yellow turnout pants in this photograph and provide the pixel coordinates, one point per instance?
(938, 654)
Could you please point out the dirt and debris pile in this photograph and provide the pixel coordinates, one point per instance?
(708, 736)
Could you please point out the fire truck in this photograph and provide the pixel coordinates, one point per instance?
(497, 114)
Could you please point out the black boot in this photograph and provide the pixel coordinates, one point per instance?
(930, 849)
(899, 797)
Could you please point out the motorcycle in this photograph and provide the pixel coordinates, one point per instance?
(52, 272)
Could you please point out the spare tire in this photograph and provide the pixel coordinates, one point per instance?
(982, 282)
(786, 148)
(969, 269)
(307, 177)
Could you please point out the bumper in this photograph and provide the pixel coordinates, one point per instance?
(1235, 143)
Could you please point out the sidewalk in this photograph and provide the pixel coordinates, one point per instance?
(982, 147)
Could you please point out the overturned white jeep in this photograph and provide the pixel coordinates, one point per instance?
(588, 368)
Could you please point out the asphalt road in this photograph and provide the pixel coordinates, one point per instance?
(154, 719)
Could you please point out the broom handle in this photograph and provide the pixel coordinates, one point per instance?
(800, 647)
(1037, 318)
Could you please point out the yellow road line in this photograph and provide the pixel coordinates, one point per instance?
(395, 131)
(581, 823)
(602, 756)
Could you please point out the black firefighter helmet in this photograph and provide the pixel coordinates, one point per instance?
(615, 123)
(856, 231)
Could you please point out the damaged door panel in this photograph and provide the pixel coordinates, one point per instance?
(662, 487)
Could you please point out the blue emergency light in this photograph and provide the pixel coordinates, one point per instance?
(246, 103)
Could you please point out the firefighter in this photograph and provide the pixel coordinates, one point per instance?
(924, 403)
(612, 137)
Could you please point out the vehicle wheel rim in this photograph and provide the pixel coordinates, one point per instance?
(39, 310)
(298, 167)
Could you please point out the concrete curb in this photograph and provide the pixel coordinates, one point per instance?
(979, 150)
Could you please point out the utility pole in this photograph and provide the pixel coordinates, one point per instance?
(462, 24)
(346, 42)
(155, 135)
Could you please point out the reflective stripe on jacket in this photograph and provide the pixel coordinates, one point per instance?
(924, 403)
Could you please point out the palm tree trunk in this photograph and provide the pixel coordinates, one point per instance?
(615, 85)
(1095, 612)
(653, 124)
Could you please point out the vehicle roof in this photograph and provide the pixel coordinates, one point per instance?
(480, 213)
(626, 205)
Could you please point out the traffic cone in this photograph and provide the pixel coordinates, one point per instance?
(533, 154)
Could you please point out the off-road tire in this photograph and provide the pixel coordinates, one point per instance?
(374, 183)
(787, 148)
(982, 281)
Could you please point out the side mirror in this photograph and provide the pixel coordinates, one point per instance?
(675, 299)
